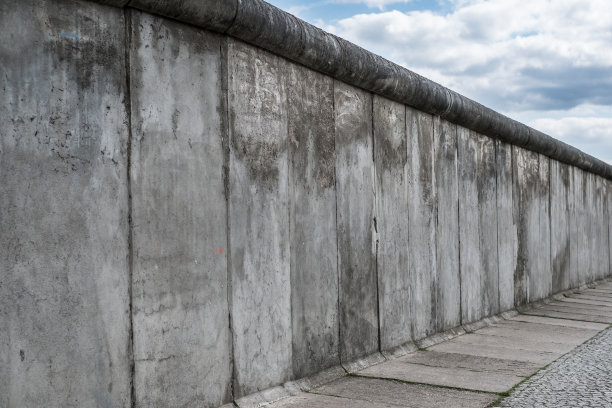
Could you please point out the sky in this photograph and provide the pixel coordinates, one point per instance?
(546, 63)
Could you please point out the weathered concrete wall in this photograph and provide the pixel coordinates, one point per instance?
(561, 194)
(180, 304)
(603, 245)
(259, 218)
(312, 212)
(356, 224)
(533, 274)
(421, 223)
(64, 292)
(478, 226)
(392, 226)
(507, 232)
(446, 183)
(188, 219)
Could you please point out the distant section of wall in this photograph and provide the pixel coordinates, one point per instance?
(188, 219)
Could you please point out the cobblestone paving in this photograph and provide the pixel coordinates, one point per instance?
(582, 378)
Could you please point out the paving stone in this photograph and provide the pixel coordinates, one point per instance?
(477, 380)
(585, 301)
(537, 357)
(568, 309)
(600, 291)
(540, 333)
(580, 307)
(559, 322)
(456, 360)
(403, 394)
(567, 315)
(591, 297)
(524, 344)
(325, 401)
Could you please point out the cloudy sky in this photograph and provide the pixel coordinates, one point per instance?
(546, 63)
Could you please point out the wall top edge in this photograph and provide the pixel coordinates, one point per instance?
(261, 24)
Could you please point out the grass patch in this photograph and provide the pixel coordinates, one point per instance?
(506, 394)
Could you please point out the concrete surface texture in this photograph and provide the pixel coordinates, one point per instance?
(64, 258)
(190, 220)
(178, 213)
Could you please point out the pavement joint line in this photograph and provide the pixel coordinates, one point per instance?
(560, 318)
(518, 348)
(347, 398)
(446, 387)
(576, 311)
(343, 397)
(594, 314)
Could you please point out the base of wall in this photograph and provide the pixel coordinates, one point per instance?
(306, 384)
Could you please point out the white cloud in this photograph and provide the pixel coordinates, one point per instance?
(547, 63)
(587, 127)
(591, 129)
(298, 10)
(379, 4)
(507, 53)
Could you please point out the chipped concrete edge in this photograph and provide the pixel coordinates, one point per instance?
(263, 25)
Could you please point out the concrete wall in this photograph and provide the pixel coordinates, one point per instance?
(64, 258)
(188, 219)
(180, 306)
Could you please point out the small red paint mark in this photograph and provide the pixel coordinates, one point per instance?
(220, 250)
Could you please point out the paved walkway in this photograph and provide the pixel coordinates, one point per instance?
(582, 378)
(479, 368)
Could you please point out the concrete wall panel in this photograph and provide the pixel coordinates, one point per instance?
(603, 264)
(259, 219)
(573, 228)
(314, 272)
(541, 281)
(507, 243)
(448, 290)
(182, 346)
(478, 226)
(608, 222)
(533, 276)
(595, 218)
(592, 220)
(392, 222)
(578, 231)
(595, 227)
(561, 194)
(356, 227)
(588, 263)
(64, 305)
(421, 218)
